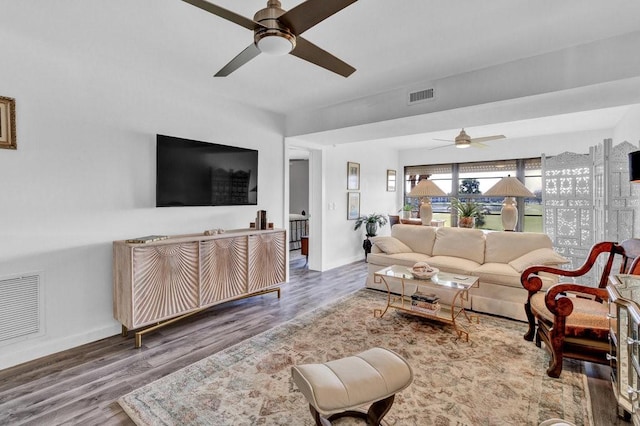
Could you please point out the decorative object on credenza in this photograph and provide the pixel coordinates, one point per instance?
(353, 205)
(214, 231)
(509, 187)
(467, 212)
(371, 221)
(147, 239)
(353, 176)
(261, 219)
(426, 188)
(8, 123)
(634, 166)
(391, 181)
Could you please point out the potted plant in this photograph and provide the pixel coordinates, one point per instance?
(371, 221)
(406, 211)
(468, 211)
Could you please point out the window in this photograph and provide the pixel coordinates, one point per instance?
(468, 181)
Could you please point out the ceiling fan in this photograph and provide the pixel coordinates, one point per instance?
(277, 32)
(463, 140)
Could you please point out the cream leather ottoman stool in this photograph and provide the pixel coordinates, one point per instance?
(336, 388)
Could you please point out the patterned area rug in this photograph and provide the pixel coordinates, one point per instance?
(497, 378)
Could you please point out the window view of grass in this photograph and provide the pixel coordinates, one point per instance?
(468, 182)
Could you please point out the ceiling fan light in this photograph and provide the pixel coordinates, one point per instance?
(275, 45)
(462, 145)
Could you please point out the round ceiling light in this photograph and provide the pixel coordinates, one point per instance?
(275, 42)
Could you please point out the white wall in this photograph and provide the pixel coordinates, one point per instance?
(84, 173)
(629, 128)
(341, 244)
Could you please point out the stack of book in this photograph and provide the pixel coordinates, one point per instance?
(425, 303)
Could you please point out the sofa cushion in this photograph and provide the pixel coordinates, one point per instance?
(404, 259)
(453, 265)
(503, 247)
(460, 242)
(419, 238)
(542, 256)
(498, 273)
(391, 245)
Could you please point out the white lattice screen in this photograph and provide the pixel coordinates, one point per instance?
(588, 198)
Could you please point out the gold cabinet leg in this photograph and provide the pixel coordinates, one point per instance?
(125, 331)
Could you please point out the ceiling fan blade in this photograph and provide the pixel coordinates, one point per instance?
(487, 138)
(307, 14)
(243, 57)
(439, 147)
(444, 140)
(478, 144)
(249, 24)
(310, 52)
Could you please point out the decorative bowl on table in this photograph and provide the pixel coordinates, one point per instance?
(422, 271)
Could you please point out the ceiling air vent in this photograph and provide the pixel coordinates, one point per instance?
(421, 96)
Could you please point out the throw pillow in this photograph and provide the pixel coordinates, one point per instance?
(541, 256)
(391, 245)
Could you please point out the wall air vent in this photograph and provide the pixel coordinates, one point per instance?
(20, 307)
(421, 96)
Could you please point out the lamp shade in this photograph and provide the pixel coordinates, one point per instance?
(634, 166)
(508, 187)
(426, 188)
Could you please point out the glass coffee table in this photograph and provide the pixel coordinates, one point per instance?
(422, 302)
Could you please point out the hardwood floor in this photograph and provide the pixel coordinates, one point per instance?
(81, 385)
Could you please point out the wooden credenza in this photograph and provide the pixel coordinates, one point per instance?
(158, 282)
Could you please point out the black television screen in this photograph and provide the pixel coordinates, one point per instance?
(192, 173)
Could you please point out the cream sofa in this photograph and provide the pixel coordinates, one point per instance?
(497, 258)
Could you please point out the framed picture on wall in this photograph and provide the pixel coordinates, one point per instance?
(353, 176)
(7, 123)
(391, 181)
(353, 205)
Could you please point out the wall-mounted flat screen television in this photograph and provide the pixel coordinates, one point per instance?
(193, 173)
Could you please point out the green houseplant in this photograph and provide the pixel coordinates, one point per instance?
(406, 211)
(371, 221)
(468, 212)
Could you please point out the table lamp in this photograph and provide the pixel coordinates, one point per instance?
(509, 187)
(425, 189)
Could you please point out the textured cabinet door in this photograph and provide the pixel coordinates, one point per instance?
(267, 260)
(224, 269)
(165, 281)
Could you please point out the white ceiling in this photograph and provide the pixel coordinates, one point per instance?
(395, 44)
(392, 44)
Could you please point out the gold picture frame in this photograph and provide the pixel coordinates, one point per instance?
(8, 123)
(353, 176)
(391, 180)
(353, 205)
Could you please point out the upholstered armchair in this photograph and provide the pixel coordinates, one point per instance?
(571, 319)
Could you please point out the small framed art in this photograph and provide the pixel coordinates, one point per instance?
(353, 205)
(391, 180)
(7, 123)
(353, 176)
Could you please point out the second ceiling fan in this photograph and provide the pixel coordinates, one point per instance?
(277, 32)
(463, 140)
